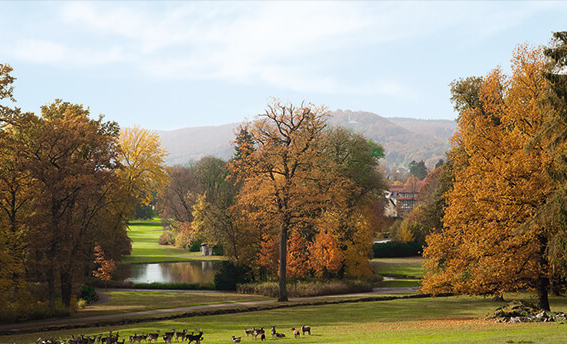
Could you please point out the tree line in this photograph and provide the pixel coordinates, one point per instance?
(298, 199)
(68, 183)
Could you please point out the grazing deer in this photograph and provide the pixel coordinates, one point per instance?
(275, 334)
(305, 328)
(258, 332)
(153, 336)
(249, 332)
(296, 332)
(167, 337)
(195, 337)
(180, 335)
(236, 339)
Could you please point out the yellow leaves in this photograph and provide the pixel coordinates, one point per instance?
(500, 186)
(143, 160)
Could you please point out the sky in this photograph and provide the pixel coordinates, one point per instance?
(169, 65)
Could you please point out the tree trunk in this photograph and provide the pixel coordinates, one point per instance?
(51, 288)
(66, 288)
(283, 264)
(542, 299)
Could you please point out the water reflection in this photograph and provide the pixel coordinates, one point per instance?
(179, 272)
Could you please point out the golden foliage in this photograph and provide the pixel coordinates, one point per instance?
(326, 258)
(493, 238)
(143, 158)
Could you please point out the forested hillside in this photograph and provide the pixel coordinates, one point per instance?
(404, 139)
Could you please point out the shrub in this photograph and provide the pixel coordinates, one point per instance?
(230, 274)
(218, 250)
(88, 294)
(181, 240)
(396, 249)
(309, 288)
(166, 238)
(195, 245)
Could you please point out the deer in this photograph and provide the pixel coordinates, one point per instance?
(167, 337)
(249, 332)
(153, 336)
(296, 332)
(305, 328)
(195, 337)
(180, 335)
(258, 332)
(275, 334)
(236, 339)
(170, 333)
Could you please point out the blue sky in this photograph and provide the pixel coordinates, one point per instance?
(167, 65)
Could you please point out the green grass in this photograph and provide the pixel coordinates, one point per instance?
(128, 301)
(399, 283)
(410, 266)
(146, 249)
(431, 320)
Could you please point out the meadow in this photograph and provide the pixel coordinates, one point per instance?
(429, 320)
(425, 320)
(145, 247)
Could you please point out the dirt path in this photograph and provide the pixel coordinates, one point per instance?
(54, 324)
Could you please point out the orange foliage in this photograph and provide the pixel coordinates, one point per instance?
(107, 266)
(494, 239)
(269, 255)
(326, 258)
(297, 257)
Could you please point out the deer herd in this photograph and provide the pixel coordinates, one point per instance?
(167, 337)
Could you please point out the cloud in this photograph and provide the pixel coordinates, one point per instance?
(288, 45)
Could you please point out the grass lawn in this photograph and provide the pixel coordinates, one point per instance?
(440, 320)
(408, 266)
(400, 283)
(145, 247)
(129, 301)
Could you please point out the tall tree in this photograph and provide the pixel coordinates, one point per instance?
(177, 198)
(73, 158)
(495, 236)
(16, 194)
(281, 170)
(143, 160)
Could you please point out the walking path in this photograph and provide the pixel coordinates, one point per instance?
(47, 324)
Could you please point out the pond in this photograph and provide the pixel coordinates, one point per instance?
(178, 272)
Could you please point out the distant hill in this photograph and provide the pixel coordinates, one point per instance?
(404, 139)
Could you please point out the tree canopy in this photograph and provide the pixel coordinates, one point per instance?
(497, 227)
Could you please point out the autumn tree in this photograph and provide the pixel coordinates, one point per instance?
(554, 131)
(177, 198)
(214, 218)
(16, 195)
(72, 158)
(495, 238)
(105, 266)
(281, 171)
(354, 220)
(143, 159)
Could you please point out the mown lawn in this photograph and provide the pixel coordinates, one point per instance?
(146, 249)
(408, 266)
(134, 301)
(432, 320)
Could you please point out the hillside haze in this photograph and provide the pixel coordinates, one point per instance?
(403, 139)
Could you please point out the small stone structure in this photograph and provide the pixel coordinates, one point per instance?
(206, 250)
